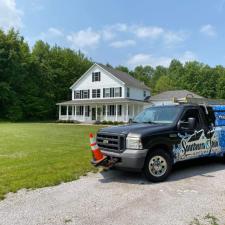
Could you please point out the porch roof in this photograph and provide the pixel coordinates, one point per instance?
(101, 101)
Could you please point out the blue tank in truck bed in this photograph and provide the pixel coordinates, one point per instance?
(219, 112)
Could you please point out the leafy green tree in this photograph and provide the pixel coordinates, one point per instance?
(164, 83)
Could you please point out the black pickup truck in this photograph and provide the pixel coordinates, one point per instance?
(160, 136)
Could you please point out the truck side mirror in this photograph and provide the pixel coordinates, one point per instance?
(189, 125)
(191, 122)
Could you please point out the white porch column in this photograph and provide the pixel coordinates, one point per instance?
(133, 110)
(60, 111)
(84, 113)
(67, 112)
(127, 113)
(106, 112)
(75, 113)
(96, 112)
(101, 114)
(116, 112)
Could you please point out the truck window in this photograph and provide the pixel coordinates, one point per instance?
(192, 113)
(211, 117)
(163, 115)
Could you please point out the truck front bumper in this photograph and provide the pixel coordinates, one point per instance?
(130, 159)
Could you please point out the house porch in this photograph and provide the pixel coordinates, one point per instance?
(90, 112)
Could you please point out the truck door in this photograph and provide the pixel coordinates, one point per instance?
(193, 142)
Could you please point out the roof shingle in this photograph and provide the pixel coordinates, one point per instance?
(169, 95)
(125, 77)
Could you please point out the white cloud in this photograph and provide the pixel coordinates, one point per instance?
(208, 30)
(110, 32)
(51, 33)
(10, 15)
(147, 32)
(148, 59)
(187, 56)
(171, 38)
(84, 38)
(168, 37)
(122, 44)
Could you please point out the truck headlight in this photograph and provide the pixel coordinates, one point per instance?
(133, 142)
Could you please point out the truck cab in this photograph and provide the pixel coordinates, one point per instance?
(161, 136)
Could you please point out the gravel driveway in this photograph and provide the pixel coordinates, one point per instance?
(117, 197)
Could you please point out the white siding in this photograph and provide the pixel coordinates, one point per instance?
(138, 94)
(107, 81)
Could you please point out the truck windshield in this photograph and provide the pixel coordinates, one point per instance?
(165, 115)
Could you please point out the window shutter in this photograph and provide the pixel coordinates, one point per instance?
(88, 93)
(111, 92)
(92, 77)
(103, 92)
(120, 91)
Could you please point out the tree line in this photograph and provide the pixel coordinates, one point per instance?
(33, 80)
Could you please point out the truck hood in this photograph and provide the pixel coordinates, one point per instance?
(139, 129)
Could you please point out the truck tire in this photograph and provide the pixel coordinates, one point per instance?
(158, 165)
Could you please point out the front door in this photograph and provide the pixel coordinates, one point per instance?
(93, 113)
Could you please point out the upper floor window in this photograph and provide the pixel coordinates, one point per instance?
(85, 94)
(96, 93)
(144, 94)
(118, 92)
(96, 76)
(106, 92)
(77, 94)
(80, 94)
(128, 92)
(112, 92)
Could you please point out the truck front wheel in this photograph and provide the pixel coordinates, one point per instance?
(158, 165)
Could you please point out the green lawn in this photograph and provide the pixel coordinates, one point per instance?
(35, 155)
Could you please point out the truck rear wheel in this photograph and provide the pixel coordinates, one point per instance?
(158, 165)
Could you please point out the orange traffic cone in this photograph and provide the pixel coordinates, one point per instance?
(97, 154)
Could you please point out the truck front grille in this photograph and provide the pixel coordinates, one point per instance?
(111, 142)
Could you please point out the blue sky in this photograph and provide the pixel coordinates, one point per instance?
(126, 32)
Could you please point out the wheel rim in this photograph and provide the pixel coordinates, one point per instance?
(157, 166)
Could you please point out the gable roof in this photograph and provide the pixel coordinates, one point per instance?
(169, 95)
(124, 77)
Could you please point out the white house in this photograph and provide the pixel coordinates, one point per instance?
(167, 97)
(103, 93)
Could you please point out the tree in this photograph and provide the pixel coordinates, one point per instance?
(164, 83)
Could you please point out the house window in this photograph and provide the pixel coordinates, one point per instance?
(96, 76)
(106, 92)
(96, 93)
(87, 111)
(81, 94)
(144, 93)
(111, 110)
(80, 110)
(119, 110)
(77, 95)
(112, 92)
(118, 92)
(85, 94)
(128, 92)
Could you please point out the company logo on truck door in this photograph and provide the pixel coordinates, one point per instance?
(196, 145)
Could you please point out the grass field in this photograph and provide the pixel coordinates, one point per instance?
(36, 155)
